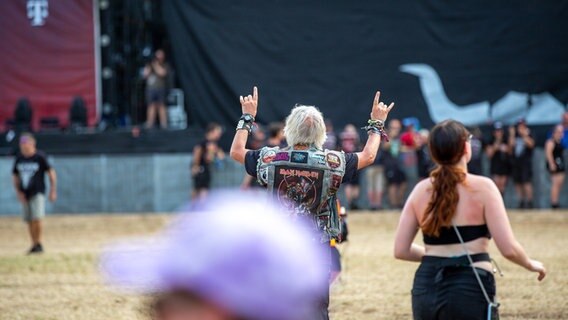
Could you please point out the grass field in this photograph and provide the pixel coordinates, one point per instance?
(64, 283)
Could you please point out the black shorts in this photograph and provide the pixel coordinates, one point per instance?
(202, 180)
(500, 168)
(355, 181)
(450, 292)
(560, 167)
(395, 176)
(522, 173)
(156, 96)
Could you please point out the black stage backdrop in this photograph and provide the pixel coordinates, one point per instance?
(476, 61)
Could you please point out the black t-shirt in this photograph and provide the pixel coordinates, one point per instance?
(31, 172)
(521, 152)
(351, 160)
(424, 162)
(475, 164)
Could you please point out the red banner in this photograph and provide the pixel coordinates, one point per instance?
(48, 56)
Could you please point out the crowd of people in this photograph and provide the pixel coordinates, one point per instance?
(405, 159)
(237, 261)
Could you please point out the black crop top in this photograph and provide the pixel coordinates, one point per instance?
(449, 236)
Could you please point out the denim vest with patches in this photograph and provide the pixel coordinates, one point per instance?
(305, 182)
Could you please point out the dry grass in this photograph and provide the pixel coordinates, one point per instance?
(64, 284)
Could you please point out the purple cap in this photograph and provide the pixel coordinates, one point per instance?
(238, 252)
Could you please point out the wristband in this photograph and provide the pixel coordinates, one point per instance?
(246, 122)
(378, 127)
(243, 125)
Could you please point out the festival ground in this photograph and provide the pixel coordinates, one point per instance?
(63, 283)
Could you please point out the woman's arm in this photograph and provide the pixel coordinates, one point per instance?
(147, 71)
(379, 111)
(161, 70)
(197, 152)
(249, 105)
(492, 148)
(548, 148)
(500, 228)
(404, 248)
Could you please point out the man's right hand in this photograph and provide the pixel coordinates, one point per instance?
(380, 110)
(249, 103)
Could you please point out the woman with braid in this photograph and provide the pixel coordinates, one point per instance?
(458, 214)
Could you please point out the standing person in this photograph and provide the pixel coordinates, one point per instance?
(475, 166)
(565, 127)
(522, 145)
(499, 153)
(204, 155)
(396, 178)
(423, 159)
(445, 285)
(350, 142)
(331, 137)
(29, 171)
(554, 152)
(303, 177)
(375, 179)
(156, 73)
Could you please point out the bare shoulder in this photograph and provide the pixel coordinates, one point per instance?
(422, 186)
(481, 182)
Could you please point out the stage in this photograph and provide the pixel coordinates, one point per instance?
(116, 141)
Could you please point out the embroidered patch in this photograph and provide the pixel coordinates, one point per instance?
(299, 157)
(333, 160)
(268, 156)
(317, 159)
(282, 156)
(335, 182)
(298, 190)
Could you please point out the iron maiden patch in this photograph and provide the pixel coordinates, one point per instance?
(333, 160)
(298, 188)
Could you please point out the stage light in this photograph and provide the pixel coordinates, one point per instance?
(105, 40)
(103, 4)
(107, 73)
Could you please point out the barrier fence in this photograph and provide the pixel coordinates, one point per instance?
(162, 183)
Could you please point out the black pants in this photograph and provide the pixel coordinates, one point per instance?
(323, 308)
(446, 288)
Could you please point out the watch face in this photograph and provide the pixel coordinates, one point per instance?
(247, 117)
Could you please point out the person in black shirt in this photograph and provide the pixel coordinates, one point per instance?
(29, 172)
(306, 177)
(554, 152)
(522, 145)
(423, 159)
(475, 165)
(204, 154)
(499, 153)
